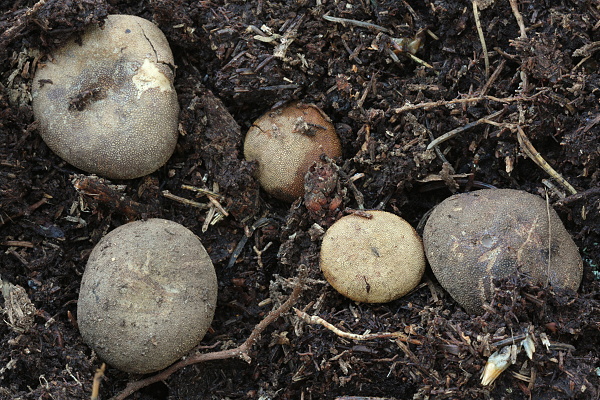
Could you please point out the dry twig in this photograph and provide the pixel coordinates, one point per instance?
(313, 319)
(515, 9)
(419, 61)
(27, 211)
(17, 27)
(493, 78)
(203, 191)
(454, 132)
(100, 192)
(362, 24)
(212, 196)
(431, 104)
(594, 191)
(524, 143)
(239, 352)
(486, 58)
(183, 200)
(549, 239)
(288, 37)
(96, 384)
(535, 156)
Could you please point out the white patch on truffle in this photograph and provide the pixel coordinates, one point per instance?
(149, 77)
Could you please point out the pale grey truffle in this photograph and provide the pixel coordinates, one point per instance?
(147, 296)
(108, 105)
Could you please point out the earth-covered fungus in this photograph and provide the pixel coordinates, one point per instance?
(286, 142)
(147, 296)
(373, 258)
(108, 105)
(471, 239)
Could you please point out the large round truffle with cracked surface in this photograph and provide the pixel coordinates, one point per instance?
(374, 257)
(473, 238)
(147, 296)
(107, 105)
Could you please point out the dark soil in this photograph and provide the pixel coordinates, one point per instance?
(545, 79)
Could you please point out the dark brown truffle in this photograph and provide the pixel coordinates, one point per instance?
(473, 238)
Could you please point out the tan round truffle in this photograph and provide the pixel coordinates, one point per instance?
(108, 105)
(147, 295)
(286, 142)
(372, 260)
(473, 238)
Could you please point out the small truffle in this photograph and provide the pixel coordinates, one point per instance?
(286, 142)
(372, 260)
(147, 296)
(474, 238)
(108, 105)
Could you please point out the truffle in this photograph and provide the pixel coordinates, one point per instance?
(147, 296)
(373, 258)
(108, 105)
(471, 239)
(286, 142)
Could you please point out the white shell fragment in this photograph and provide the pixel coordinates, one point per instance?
(529, 346)
(497, 364)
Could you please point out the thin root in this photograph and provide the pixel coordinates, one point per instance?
(532, 153)
(315, 320)
(96, 384)
(486, 58)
